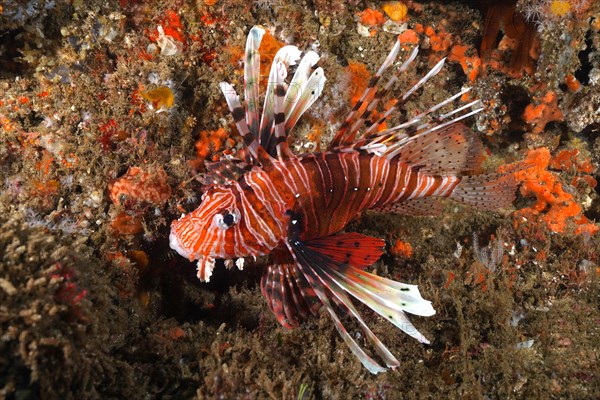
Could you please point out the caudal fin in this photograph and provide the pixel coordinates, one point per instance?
(486, 192)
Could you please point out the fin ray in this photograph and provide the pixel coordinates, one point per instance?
(342, 136)
(252, 77)
(454, 149)
(388, 298)
(306, 97)
(237, 111)
(288, 294)
(287, 55)
(298, 83)
(279, 139)
(322, 285)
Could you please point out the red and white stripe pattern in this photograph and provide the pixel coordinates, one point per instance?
(295, 207)
(332, 188)
(327, 190)
(255, 210)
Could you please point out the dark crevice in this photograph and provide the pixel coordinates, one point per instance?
(583, 73)
(10, 43)
(16, 37)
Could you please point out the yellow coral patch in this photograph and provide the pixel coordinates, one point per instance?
(396, 10)
(560, 7)
(160, 97)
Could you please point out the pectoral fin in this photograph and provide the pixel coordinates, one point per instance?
(288, 294)
(331, 279)
(349, 248)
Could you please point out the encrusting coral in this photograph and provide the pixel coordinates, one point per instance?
(141, 185)
(554, 207)
(538, 115)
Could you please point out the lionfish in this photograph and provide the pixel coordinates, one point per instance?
(294, 208)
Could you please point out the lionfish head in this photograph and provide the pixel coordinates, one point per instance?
(228, 224)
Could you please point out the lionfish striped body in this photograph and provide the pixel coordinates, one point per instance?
(294, 208)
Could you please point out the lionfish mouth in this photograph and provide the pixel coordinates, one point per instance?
(176, 245)
(206, 263)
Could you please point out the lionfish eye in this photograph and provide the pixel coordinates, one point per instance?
(226, 219)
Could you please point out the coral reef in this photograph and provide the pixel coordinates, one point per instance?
(110, 117)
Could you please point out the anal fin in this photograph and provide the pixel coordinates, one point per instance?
(425, 206)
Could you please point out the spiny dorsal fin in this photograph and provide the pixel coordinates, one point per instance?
(283, 105)
(299, 82)
(237, 111)
(252, 77)
(308, 93)
(368, 95)
(363, 109)
(382, 93)
(274, 95)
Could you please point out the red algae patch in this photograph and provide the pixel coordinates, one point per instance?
(401, 249)
(370, 17)
(471, 64)
(141, 185)
(359, 78)
(211, 144)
